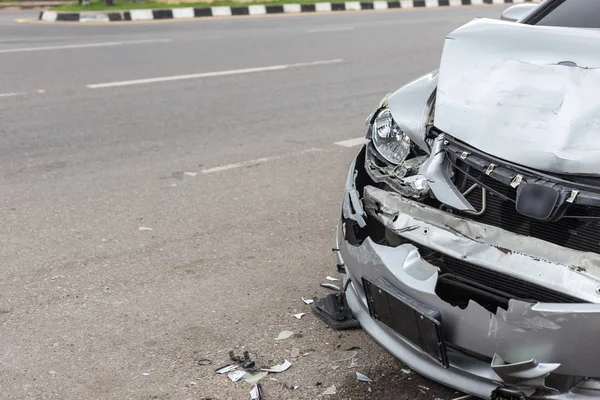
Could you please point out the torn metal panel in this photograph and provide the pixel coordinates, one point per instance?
(527, 94)
(403, 178)
(351, 204)
(437, 171)
(520, 333)
(476, 376)
(543, 332)
(412, 107)
(523, 257)
(530, 372)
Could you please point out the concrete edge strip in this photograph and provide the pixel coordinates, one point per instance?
(258, 9)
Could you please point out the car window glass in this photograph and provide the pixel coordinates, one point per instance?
(575, 14)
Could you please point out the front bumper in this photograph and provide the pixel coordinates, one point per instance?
(550, 349)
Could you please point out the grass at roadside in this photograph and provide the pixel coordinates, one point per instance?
(128, 5)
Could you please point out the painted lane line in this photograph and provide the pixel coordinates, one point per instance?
(11, 94)
(332, 29)
(82, 46)
(352, 142)
(211, 74)
(257, 161)
(21, 94)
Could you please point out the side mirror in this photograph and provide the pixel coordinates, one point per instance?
(516, 12)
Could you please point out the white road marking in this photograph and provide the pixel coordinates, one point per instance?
(211, 74)
(82, 46)
(257, 161)
(15, 94)
(332, 29)
(352, 142)
(11, 94)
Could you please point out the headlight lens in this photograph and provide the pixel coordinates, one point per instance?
(388, 138)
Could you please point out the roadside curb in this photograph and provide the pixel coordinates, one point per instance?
(258, 9)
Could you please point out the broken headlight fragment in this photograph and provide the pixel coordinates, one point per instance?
(391, 158)
(389, 140)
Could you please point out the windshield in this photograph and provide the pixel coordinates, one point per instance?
(572, 13)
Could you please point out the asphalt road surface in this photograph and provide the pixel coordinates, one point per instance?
(170, 191)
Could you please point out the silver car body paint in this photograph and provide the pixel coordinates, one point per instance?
(500, 89)
(411, 107)
(528, 94)
(518, 12)
(435, 169)
(542, 332)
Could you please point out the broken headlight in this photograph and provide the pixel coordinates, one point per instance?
(389, 140)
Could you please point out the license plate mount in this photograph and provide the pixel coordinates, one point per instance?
(412, 319)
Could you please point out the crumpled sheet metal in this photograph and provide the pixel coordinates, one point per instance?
(565, 270)
(351, 204)
(412, 105)
(548, 333)
(473, 377)
(530, 372)
(501, 89)
(435, 169)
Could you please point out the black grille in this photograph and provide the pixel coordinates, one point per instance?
(575, 233)
(515, 288)
(581, 232)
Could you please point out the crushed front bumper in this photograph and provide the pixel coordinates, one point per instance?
(548, 350)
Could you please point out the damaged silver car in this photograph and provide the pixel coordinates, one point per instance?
(470, 233)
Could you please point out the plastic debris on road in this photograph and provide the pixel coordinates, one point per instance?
(278, 368)
(284, 335)
(342, 355)
(353, 365)
(307, 301)
(244, 362)
(331, 286)
(423, 387)
(295, 353)
(204, 361)
(145, 374)
(256, 392)
(236, 375)
(329, 278)
(190, 173)
(363, 377)
(144, 228)
(330, 390)
(467, 397)
(406, 371)
(299, 315)
(254, 377)
(226, 369)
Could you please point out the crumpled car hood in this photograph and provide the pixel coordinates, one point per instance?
(526, 94)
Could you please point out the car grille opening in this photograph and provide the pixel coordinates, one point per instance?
(460, 281)
(579, 229)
